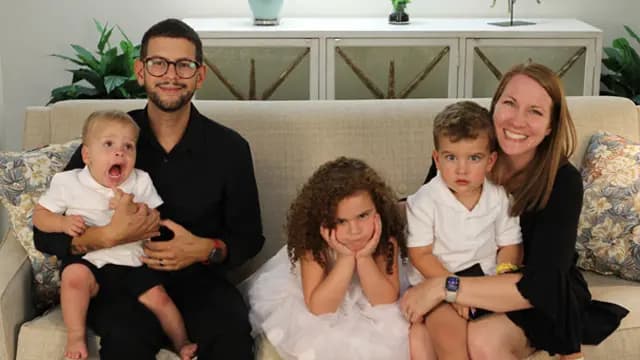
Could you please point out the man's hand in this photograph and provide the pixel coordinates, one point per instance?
(127, 226)
(181, 251)
(72, 225)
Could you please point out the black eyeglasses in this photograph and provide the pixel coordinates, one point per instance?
(158, 66)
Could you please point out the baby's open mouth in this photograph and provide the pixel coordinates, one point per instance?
(115, 170)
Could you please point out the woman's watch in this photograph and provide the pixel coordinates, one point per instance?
(451, 286)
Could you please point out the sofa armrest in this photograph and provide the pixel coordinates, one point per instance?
(16, 298)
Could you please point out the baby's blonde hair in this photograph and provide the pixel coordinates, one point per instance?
(104, 116)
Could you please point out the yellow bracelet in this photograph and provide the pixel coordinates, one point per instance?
(503, 268)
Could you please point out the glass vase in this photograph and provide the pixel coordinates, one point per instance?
(398, 16)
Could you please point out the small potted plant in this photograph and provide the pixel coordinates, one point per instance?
(623, 65)
(109, 75)
(398, 16)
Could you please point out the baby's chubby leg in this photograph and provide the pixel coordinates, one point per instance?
(448, 332)
(77, 287)
(158, 301)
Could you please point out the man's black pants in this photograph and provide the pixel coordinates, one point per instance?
(214, 313)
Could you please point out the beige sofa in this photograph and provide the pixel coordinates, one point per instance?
(289, 140)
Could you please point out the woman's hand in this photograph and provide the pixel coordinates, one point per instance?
(422, 298)
(371, 245)
(463, 311)
(329, 235)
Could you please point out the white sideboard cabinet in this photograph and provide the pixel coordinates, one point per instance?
(367, 58)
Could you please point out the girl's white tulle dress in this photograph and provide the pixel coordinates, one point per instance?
(356, 331)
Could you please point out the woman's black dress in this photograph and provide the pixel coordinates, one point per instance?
(563, 315)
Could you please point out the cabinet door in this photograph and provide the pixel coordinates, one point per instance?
(391, 68)
(572, 59)
(260, 69)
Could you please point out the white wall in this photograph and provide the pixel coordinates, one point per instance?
(30, 30)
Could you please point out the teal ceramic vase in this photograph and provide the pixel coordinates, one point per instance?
(266, 12)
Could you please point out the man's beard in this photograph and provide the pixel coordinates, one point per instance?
(169, 106)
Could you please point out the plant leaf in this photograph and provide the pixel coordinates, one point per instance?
(632, 34)
(636, 99)
(113, 81)
(615, 84)
(104, 40)
(84, 55)
(614, 59)
(73, 91)
(106, 62)
(132, 86)
(89, 76)
(109, 75)
(612, 64)
(124, 35)
(99, 26)
(75, 61)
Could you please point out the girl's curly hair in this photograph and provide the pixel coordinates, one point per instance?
(317, 202)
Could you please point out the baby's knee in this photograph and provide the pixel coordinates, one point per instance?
(77, 276)
(155, 298)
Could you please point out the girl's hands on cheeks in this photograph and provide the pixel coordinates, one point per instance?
(371, 245)
(329, 235)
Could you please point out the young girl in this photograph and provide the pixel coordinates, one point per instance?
(335, 296)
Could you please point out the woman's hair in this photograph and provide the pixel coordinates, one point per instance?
(316, 205)
(531, 186)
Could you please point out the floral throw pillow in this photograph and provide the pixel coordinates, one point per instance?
(24, 176)
(609, 228)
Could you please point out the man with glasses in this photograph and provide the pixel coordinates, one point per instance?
(204, 173)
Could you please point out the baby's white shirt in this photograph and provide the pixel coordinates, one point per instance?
(76, 192)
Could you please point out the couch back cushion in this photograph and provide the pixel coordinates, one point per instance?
(290, 139)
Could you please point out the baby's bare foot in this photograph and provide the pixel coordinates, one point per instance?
(188, 351)
(76, 346)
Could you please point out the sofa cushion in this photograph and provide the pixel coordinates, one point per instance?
(41, 337)
(24, 176)
(44, 336)
(609, 229)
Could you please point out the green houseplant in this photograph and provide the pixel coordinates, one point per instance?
(108, 75)
(623, 65)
